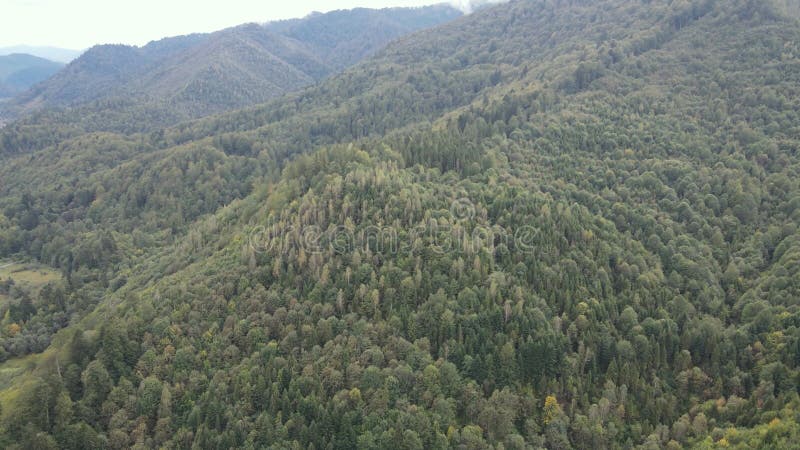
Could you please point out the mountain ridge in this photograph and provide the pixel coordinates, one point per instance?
(271, 63)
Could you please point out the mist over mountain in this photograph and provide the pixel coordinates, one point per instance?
(469, 6)
(547, 224)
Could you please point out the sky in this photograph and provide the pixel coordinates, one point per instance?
(79, 24)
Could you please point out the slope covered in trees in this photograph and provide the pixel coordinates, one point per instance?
(550, 224)
(200, 74)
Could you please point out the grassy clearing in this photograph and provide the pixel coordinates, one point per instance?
(28, 274)
(17, 373)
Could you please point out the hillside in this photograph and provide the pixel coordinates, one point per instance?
(18, 72)
(548, 224)
(202, 74)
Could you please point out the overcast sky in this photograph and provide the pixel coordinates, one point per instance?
(79, 24)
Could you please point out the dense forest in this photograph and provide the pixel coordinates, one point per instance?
(547, 224)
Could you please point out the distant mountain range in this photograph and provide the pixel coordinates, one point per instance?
(200, 74)
(18, 72)
(61, 55)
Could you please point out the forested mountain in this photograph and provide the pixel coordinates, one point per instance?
(191, 76)
(549, 224)
(19, 72)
